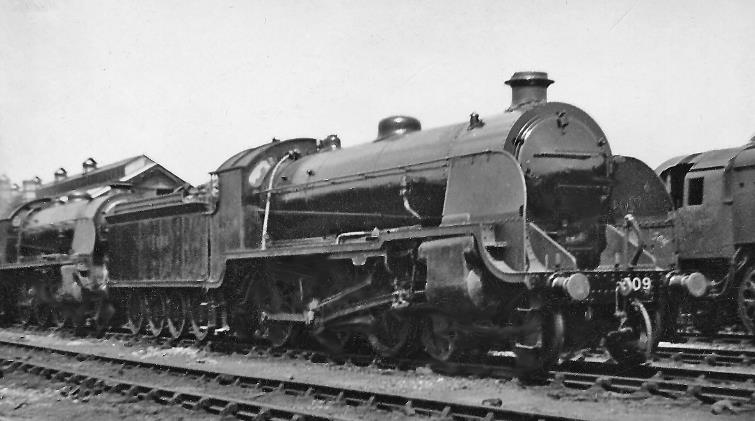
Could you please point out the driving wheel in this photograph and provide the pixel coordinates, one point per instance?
(274, 298)
(439, 340)
(392, 333)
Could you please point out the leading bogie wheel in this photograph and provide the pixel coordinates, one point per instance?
(539, 348)
(177, 306)
(746, 301)
(135, 311)
(632, 343)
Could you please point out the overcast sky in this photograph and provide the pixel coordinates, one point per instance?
(190, 83)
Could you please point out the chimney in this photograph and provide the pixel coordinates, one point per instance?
(528, 88)
(60, 175)
(89, 165)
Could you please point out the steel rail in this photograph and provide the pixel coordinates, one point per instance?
(241, 408)
(386, 401)
(666, 380)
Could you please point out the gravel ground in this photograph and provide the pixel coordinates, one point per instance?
(25, 396)
(592, 404)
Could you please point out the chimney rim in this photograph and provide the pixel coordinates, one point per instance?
(530, 77)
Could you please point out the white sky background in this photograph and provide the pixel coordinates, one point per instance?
(190, 83)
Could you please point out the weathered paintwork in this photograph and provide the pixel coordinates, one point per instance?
(714, 197)
(638, 191)
(160, 241)
(704, 187)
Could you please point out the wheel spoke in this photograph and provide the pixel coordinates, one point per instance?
(273, 299)
(632, 344)
(201, 316)
(438, 340)
(156, 313)
(176, 304)
(391, 334)
(136, 310)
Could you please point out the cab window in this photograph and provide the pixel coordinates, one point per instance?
(258, 173)
(695, 191)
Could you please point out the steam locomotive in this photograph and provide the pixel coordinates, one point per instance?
(713, 195)
(520, 231)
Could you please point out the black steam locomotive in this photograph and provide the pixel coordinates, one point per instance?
(713, 195)
(520, 231)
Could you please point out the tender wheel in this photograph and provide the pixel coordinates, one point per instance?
(202, 316)
(156, 312)
(392, 333)
(439, 340)
(632, 343)
(135, 312)
(24, 301)
(746, 301)
(540, 344)
(177, 306)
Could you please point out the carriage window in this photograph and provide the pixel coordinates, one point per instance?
(695, 191)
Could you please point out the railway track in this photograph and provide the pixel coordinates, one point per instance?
(706, 384)
(37, 361)
(711, 356)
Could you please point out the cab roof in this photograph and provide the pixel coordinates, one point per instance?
(738, 157)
